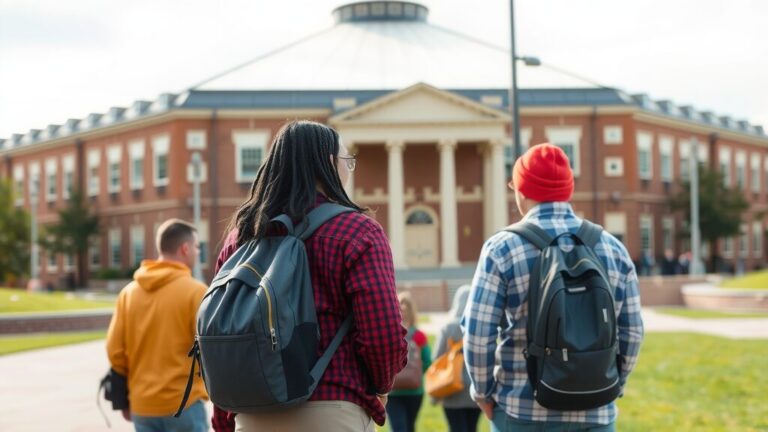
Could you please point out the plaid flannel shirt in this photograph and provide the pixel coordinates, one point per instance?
(500, 287)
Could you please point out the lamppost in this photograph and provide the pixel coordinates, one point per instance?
(696, 266)
(196, 164)
(513, 99)
(34, 276)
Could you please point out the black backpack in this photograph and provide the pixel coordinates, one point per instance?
(257, 332)
(572, 353)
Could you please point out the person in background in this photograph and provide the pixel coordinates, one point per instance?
(404, 405)
(460, 410)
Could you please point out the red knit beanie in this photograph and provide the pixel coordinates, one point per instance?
(544, 174)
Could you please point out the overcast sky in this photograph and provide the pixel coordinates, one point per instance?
(66, 59)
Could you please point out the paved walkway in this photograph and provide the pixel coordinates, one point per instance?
(54, 389)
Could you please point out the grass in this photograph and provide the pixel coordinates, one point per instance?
(755, 280)
(13, 300)
(683, 382)
(13, 344)
(704, 314)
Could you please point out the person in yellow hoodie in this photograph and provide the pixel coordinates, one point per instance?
(152, 330)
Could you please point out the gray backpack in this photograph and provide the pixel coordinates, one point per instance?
(257, 332)
(572, 353)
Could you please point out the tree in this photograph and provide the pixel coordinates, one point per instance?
(14, 236)
(720, 207)
(73, 232)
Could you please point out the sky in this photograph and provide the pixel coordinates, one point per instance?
(66, 59)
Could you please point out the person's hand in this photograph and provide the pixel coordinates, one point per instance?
(487, 408)
(383, 399)
(126, 414)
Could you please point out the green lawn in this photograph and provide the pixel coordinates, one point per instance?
(683, 382)
(703, 314)
(14, 300)
(12, 344)
(755, 280)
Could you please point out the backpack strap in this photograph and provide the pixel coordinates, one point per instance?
(589, 233)
(318, 216)
(322, 363)
(531, 232)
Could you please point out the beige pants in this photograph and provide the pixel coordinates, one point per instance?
(320, 416)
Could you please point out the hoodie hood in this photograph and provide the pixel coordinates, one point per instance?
(153, 275)
(459, 302)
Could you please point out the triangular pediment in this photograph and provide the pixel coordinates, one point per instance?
(421, 104)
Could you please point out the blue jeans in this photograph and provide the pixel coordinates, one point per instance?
(192, 419)
(504, 423)
(402, 411)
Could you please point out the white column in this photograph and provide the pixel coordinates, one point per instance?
(498, 186)
(396, 203)
(350, 186)
(448, 206)
(485, 153)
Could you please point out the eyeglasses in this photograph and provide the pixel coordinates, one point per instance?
(351, 162)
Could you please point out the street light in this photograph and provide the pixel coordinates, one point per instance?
(514, 101)
(196, 165)
(34, 281)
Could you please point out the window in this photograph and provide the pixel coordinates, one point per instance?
(616, 224)
(685, 160)
(68, 163)
(613, 135)
(645, 155)
(724, 164)
(568, 139)
(743, 241)
(50, 179)
(136, 165)
(249, 150)
(755, 172)
(34, 182)
(69, 262)
(646, 233)
(202, 235)
(196, 140)
(137, 245)
(52, 264)
(668, 233)
(614, 166)
(18, 178)
(115, 260)
(665, 149)
(741, 169)
(160, 146)
(728, 247)
(94, 254)
(509, 151)
(94, 160)
(757, 239)
(113, 160)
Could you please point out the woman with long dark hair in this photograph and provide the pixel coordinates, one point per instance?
(351, 270)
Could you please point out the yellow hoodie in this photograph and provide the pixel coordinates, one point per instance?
(152, 330)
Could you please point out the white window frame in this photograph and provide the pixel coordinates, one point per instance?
(667, 171)
(619, 162)
(744, 240)
(94, 251)
(741, 170)
(754, 173)
(48, 256)
(138, 238)
(69, 262)
(728, 247)
(645, 144)
(19, 188)
(685, 159)
(68, 176)
(646, 222)
(51, 170)
(616, 223)
(724, 165)
(136, 152)
(248, 139)
(757, 238)
(567, 135)
(613, 135)
(115, 239)
(161, 146)
(94, 182)
(668, 232)
(114, 156)
(34, 180)
(197, 139)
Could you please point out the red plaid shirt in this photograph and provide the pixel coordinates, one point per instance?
(351, 269)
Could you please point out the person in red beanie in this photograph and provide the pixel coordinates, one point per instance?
(495, 321)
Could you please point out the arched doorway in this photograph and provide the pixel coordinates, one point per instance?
(420, 237)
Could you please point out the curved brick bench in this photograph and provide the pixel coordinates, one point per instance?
(706, 296)
(44, 322)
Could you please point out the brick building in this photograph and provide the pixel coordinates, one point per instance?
(431, 133)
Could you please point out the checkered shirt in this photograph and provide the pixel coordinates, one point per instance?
(500, 287)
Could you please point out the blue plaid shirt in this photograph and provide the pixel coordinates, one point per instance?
(500, 287)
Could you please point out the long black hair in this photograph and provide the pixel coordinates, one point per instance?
(302, 157)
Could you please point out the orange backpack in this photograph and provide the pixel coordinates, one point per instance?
(446, 374)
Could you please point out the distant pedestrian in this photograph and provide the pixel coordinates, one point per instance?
(669, 265)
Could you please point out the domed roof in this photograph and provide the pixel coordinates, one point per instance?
(384, 45)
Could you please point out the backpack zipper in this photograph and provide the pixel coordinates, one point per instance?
(272, 332)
